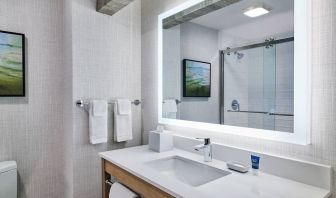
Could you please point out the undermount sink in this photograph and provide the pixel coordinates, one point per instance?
(187, 171)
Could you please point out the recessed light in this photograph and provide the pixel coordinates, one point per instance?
(256, 11)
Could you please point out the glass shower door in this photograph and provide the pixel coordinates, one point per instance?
(249, 87)
(269, 84)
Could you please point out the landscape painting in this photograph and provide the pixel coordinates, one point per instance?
(196, 78)
(12, 64)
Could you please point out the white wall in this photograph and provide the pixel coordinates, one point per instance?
(31, 128)
(67, 99)
(323, 149)
(201, 43)
(106, 64)
(150, 9)
(73, 52)
(171, 63)
(196, 42)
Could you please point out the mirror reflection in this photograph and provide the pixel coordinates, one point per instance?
(231, 63)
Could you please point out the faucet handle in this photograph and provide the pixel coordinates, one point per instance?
(206, 140)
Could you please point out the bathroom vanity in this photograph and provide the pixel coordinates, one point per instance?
(180, 173)
(232, 77)
(130, 180)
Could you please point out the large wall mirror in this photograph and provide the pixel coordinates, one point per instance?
(237, 66)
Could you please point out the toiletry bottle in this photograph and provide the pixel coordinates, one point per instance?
(255, 164)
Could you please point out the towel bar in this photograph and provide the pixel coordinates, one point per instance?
(176, 100)
(85, 105)
(81, 103)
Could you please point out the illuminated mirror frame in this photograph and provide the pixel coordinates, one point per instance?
(302, 83)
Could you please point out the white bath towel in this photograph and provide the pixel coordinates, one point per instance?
(122, 120)
(169, 108)
(119, 191)
(98, 121)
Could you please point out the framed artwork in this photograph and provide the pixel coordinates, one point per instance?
(196, 78)
(12, 64)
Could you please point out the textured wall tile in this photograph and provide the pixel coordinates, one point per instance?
(31, 128)
(106, 65)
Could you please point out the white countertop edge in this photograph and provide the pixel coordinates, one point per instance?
(105, 155)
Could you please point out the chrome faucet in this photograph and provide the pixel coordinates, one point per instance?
(206, 147)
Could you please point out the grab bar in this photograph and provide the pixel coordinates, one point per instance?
(281, 114)
(239, 111)
(261, 112)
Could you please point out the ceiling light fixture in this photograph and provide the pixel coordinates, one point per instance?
(256, 11)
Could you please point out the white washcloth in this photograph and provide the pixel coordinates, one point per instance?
(169, 108)
(98, 121)
(119, 191)
(122, 121)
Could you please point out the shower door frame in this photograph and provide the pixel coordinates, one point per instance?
(222, 73)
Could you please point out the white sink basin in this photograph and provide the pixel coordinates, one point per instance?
(187, 171)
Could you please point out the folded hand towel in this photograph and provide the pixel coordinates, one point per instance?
(119, 191)
(169, 106)
(122, 121)
(124, 107)
(169, 109)
(98, 121)
(99, 108)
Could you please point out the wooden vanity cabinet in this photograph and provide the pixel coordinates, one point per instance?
(138, 185)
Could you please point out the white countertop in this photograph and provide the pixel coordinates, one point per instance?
(235, 185)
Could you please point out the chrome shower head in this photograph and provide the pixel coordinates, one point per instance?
(239, 55)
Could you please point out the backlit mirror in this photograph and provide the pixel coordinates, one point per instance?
(232, 63)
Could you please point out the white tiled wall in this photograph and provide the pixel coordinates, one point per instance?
(284, 86)
(31, 128)
(73, 52)
(322, 149)
(106, 65)
(67, 100)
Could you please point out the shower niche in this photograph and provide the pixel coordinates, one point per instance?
(258, 87)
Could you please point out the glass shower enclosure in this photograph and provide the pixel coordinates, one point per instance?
(257, 85)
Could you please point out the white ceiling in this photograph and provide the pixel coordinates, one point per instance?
(232, 16)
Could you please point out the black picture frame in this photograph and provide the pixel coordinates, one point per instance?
(23, 79)
(186, 91)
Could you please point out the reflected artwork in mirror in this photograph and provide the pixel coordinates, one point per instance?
(251, 56)
(196, 78)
